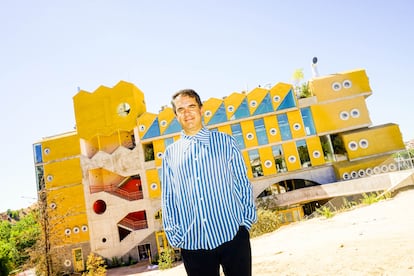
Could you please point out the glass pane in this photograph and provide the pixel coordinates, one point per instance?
(303, 153)
(308, 121)
(238, 135)
(255, 163)
(261, 132)
(279, 158)
(284, 127)
(242, 111)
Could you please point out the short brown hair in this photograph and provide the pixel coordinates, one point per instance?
(189, 93)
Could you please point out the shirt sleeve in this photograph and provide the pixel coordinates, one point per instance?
(243, 186)
(169, 210)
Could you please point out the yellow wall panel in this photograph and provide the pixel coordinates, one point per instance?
(255, 97)
(165, 117)
(340, 115)
(267, 160)
(232, 103)
(272, 129)
(278, 93)
(144, 123)
(225, 129)
(249, 133)
(373, 141)
(60, 147)
(340, 85)
(159, 148)
(107, 110)
(153, 182)
(63, 173)
(291, 156)
(66, 207)
(247, 162)
(315, 151)
(210, 107)
(296, 124)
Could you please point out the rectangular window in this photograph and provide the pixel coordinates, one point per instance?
(284, 127)
(255, 163)
(308, 121)
(279, 158)
(261, 132)
(238, 135)
(303, 153)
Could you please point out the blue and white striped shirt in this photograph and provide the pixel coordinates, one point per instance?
(206, 194)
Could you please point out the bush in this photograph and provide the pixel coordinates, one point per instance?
(267, 221)
(166, 258)
(325, 211)
(95, 266)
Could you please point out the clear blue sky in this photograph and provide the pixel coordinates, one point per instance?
(49, 48)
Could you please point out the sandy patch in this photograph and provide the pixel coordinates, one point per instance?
(370, 240)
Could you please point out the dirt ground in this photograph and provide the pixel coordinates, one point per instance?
(369, 240)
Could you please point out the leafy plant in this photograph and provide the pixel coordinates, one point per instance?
(267, 221)
(325, 211)
(95, 266)
(166, 258)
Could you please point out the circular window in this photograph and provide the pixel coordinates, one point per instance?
(346, 176)
(353, 145)
(336, 86)
(249, 136)
(46, 151)
(347, 84)
(392, 167)
(377, 170)
(52, 205)
(99, 206)
(207, 113)
(103, 240)
(67, 231)
(292, 159)
(368, 171)
(363, 143)
(163, 123)
(123, 109)
(154, 186)
(276, 98)
(67, 263)
(355, 113)
(268, 163)
(354, 174)
(361, 173)
(344, 115)
(296, 126)
(384, 168)
(230, 108)
(273, 131)
(316, 154)
(253, 103)
(141, 128)
(49, 177)
(76, 230)
(160, 154)
(84, 228)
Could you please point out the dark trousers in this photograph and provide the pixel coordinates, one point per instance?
(234, 256)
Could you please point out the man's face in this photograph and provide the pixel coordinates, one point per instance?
(188, 114)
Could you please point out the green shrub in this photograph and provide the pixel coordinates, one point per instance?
(267, 221)
(325, 211)
(95, 266)
(166, 258)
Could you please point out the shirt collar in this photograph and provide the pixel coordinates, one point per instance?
(203, 136)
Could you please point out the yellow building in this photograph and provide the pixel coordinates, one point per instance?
(102, 182)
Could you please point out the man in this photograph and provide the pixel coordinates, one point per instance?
(207, 199)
